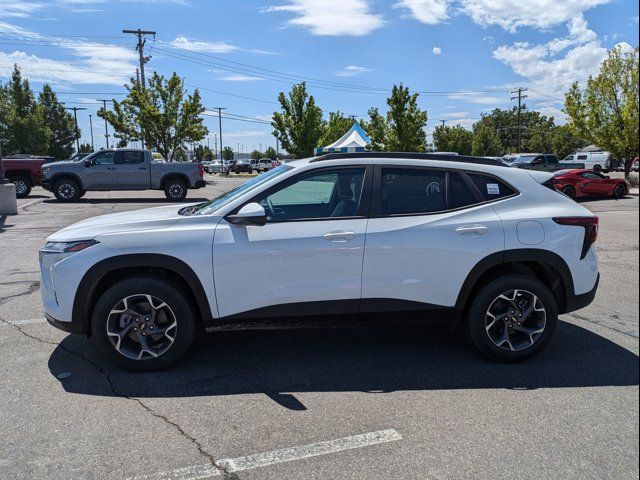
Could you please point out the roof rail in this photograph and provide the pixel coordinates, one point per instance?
(413, 156)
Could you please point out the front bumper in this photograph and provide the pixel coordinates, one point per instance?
(69, 327)
(46, 184)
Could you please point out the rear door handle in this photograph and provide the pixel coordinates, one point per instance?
(339, 236)
(472, 230)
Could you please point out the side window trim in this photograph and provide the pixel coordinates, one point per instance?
(365, 194)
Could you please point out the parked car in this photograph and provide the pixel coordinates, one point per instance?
(126, 169)
(597, 161)
(24, 172)
(536, 161)
(636, 165)
(242, 166)
(405, 236)
(584, 183)
(264, 165)
(214, 166)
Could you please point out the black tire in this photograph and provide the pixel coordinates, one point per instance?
(620, 191)
(175, 189)
(66, 190)
(569, 191)
(486, 297)
(134, 287)
(23, 185)
(597, 169)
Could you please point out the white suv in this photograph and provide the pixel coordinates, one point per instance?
(408, 236)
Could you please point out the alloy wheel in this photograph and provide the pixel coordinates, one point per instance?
(141, 327)
(620, 191)
(176, 191)
(515, 320)
(21, 186)
(66, 191)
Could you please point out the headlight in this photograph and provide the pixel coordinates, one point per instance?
(65, 249)
(45, 171)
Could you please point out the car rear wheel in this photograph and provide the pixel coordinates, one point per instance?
(512, 318)
(66, 190)
(569, 191)
(23, 186)
(143, 324)
(175, 190)
(620, 191)
(597, 169)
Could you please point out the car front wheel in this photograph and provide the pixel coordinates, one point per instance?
(66, 190)
(143, 324)
(512, 318)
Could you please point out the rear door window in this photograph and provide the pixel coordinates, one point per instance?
(406, 191)
(459, 194)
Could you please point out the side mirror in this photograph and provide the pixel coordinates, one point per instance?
(88, 162)
(250, 214)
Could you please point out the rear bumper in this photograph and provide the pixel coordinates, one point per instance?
(576, 302)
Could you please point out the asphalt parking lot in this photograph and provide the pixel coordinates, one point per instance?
(368, 403)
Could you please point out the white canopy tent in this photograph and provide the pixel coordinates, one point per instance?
(355, 140)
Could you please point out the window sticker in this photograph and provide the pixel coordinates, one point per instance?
(493, 189)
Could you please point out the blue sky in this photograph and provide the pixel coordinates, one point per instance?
(464, 55)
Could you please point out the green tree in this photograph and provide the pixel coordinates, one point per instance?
(85, 148)
(299, 125)
(335, 127)
(270, 153)
(256, 155)
(62, 130)
(208, 154)
(376, 128)
(23, 118)
(406, 122)
(606, 112)
(227, 153)
(163, 114)
(564, 142)
(486, 142)
(452, 139)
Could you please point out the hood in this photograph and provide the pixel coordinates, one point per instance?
(145, 219)
(63, 163)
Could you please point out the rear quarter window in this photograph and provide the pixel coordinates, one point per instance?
(490, 187)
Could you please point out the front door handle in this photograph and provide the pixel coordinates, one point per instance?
(475, 230)
(339, 236)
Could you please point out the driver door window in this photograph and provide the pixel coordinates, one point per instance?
(106, 158)
(328, 194)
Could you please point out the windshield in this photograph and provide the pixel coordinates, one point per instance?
(218, 202)
(524, 159)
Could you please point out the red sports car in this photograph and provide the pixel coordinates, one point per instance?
(586, 183)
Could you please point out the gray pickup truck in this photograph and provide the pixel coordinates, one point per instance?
(120, 169)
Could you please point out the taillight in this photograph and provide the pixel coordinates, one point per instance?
(590, 225)
(201, 170)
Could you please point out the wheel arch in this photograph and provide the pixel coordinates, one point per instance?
(66, 175)
(11, 174)
(548, 267)
(101, 275)
(171, 176)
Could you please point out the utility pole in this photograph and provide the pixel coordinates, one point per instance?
(91, 128)
(215, 145)
(520, 96)
(140, 48)
(75, 117)
(220, 126)
(443, 122)
(106, 128)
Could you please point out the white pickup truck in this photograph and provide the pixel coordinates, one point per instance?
(121, 169)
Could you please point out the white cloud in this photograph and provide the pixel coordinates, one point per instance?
(239, 78)
(91, 62)
(429, 12)
(462, 122)
(352, 71)
(436, 51)
(549, 72)
(18, 9)
(479, 98)
(331, 17)
(201, 46)
(455, 114)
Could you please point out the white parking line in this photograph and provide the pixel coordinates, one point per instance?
(198, 472)
(27, 321)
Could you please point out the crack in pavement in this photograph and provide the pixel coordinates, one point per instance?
(602, 324)
(224, 469)
(33, 287)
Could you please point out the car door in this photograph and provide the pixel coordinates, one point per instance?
(594, 184)
(307, 258)
(133, 170)
(552, 163)
(427, 229)
(100, 173)
(539, 163)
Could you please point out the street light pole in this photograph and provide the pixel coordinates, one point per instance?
(106, 128)
(91, 128)
(75, 117)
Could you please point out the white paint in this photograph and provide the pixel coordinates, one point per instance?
(276, 456)
(20, 207)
